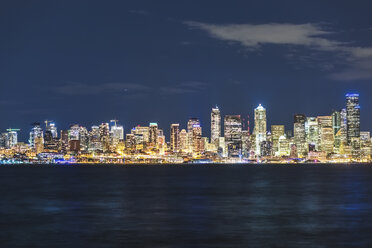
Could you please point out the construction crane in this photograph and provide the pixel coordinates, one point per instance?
(13, 130)
(115, 121)
(46, 123)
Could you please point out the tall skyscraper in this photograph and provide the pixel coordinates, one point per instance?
(36, 133)
(190, 125)
(276, 132)
(153, 135)
(259, 127)
(299, 134)
(175, 137)
(353, 123)
(215, 125)
(336, 121)
(353, 116)
(196, 139)
(326, 136)
(233, 135)
(183, 140)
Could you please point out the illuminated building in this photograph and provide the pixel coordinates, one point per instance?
(299, 134)
(130, 142)
(153, 135)
(183, 140)
(190, 126)
(336, 121)
(353, 123)
(51, 127)
(215, 125)
(312, 132)
(116, 132)
(246, 144)
(175, 137)
(161, 142)
(326, 136)
(74, 146)
(343, 126)
(12, 137)
(196, 139)
(266, 148)
(276, 132)
(353, 116)
(259, 127)
(73, 132)
(283, 146)
(222, 147)
(84, 139)
(36, 133)
(64, 141)
(233, 135)
(144, 132)
(4, 140)
(94, 139)
(104, 134)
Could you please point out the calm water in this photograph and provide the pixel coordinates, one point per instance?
(186, 206)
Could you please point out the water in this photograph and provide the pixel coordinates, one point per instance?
(186, 206)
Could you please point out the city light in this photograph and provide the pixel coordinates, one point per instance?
(332, 138)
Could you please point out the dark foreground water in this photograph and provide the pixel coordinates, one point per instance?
(186, 206)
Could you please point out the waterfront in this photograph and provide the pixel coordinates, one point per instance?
(186, 206)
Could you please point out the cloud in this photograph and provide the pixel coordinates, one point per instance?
(74, 88)
(254, 36)
(184, 88)
(309, 35)
(128, 89)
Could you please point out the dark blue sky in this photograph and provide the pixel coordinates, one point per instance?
(139, 61)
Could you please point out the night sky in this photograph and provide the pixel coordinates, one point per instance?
(139, 61)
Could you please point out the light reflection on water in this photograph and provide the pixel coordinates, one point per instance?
(179, 206)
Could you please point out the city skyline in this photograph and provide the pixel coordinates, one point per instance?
(72, 62)
(326, 138)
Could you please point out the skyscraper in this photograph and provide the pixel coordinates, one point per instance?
(299, 133)
(215, 125)
(36, 133)
(353, 123)
(259, 127)
(190, 125)
(353, 116)
(276, 132)
(153, 135)
(233, 135)
(196, 139)
(175, 137)
(326, 136)
(336, 121)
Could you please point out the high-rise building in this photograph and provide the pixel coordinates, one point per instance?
(312, 132)
(153, 135)
(175, 137)
(326, 136)
(343, 126)
(190, 125)
(36, 133)
(74, 132)
(276, 132)
(259, 127)
(353, 116)
(51, 127)
(299, 134)
(215, 125)
(336, 121)
(233, 135)
(353, 123)
(183, 140)
(196, 139)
